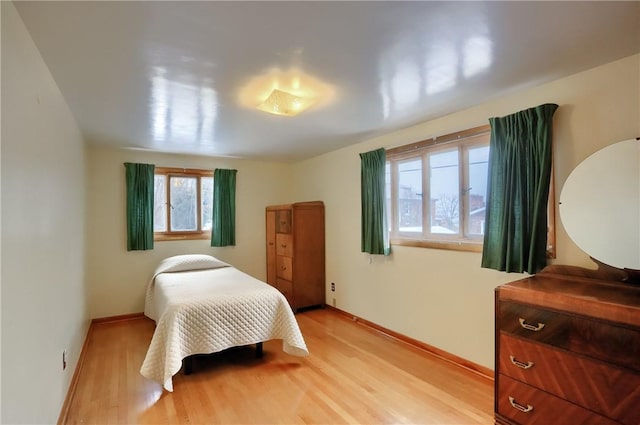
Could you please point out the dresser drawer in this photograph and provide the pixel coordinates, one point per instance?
(598, 386)
(284, 267)
(284, 244)
(283, 221)
(600, 340)
(528, 405)
(286, 287)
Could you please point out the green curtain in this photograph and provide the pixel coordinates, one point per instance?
(515, 238)
(140, 182)
(223, 231)
(374, 237)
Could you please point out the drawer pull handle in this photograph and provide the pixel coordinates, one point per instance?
(530, 327)
(284, 245)
(519, 406)
(522, 365)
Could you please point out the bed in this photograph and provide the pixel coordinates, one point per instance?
(202, 305)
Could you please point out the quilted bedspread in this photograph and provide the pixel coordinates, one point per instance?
(207, 307)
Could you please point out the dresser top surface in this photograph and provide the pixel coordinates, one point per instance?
(613, 301)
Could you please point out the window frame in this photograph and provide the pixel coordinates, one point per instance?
(197, 234)
(461, 141)
(477, 136)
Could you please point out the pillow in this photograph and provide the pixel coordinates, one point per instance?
(180, 263)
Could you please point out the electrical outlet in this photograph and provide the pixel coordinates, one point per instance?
(333, 287)
(64, 359)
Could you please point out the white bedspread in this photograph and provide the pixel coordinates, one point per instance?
(208, 310)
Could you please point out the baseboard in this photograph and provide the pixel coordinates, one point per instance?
(64, 412)
(119, 318)
(444, 355)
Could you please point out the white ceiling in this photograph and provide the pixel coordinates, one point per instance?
(167, 76)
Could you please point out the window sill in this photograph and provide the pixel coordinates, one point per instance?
(161, 237)
(468, 246)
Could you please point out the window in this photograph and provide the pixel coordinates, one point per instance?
(183, 201)
(436, 191)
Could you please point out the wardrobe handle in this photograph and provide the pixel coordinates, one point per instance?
(519, 406)
(530, 327)
(520, 364)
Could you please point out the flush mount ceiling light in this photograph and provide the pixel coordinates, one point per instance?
(283, 103)
(286, 93)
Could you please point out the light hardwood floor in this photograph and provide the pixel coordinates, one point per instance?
(353, 375)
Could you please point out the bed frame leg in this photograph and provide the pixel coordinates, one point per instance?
(188, 365)
(259, 351)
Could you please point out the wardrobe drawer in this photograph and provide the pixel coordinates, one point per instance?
(286, 287)
(605, 389)
(283, 221)
(284, 267)
(600, 340)
(284, 244)
(528, 405)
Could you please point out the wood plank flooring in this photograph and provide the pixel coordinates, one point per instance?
(353, 375)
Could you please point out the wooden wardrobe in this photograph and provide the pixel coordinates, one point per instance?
(295, 252)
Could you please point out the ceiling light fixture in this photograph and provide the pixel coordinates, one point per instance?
(285, 93)
(281, 102)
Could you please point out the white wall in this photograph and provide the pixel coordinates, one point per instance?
(444, 298)
(43, 227)
(117, 278)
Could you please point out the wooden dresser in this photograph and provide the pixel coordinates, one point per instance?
(567, 351)
(295, 252)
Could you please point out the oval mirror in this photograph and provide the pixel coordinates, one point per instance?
(600, 205)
